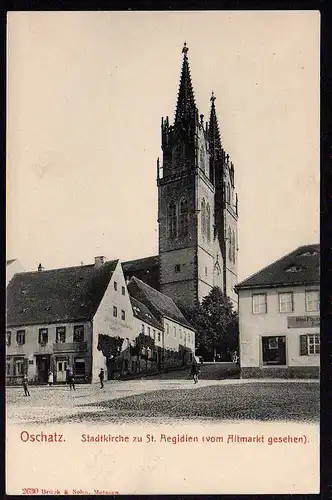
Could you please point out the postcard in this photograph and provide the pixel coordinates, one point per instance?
(163, 298)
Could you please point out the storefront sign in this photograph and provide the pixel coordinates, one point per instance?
(303, 321)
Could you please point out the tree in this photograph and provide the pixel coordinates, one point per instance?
(216, 325)
(110, 346)
(143, 343)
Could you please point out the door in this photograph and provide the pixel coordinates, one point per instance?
(274, 350)
(43, 367)
(61, 366)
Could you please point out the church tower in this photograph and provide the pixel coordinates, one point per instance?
(197, 206)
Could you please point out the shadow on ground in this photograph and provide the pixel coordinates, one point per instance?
(258, 401)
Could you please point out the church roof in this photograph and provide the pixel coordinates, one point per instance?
(57, 295)
(143, 313)
(185, 108)
(159, 304)
(145, 269)
(300, 267)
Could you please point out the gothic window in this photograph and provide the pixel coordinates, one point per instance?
(208, 222)
(217, 276)
(203, 217)
(234, 246)
(230, 248)
(184, 217)
(172, 220)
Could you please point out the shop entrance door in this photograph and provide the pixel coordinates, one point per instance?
(43, 363)
(61, 366)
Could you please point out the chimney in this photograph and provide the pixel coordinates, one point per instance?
(99, 261)
(40, 268)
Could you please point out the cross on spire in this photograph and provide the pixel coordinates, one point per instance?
(185, 49)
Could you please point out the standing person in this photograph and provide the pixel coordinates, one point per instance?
(50, 378)
(25, 385)
(71, 380)
(101, 378)
(194, 371)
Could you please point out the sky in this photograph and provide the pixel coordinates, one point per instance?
(85, 95)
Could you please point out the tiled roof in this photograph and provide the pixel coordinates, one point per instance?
(146, 269)
(142, 312)
(57, 295)
(159, 304)
(298, 267)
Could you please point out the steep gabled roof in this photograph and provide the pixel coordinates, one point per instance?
(159, 304)
(145, 269)
(143, 313)
(300, 267)
(8, 262)
(57, 295)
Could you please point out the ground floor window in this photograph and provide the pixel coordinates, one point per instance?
(19, 366)
(80, 367)
(310, 344)
(274, 350)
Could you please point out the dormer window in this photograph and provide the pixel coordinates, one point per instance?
(294, 269)
(309, 253)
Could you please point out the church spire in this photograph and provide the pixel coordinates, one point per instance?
(185, 108)
(214, 134)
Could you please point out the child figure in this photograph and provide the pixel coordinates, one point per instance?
(101, 378)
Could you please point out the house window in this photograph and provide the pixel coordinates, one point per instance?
(143, 328)
(43, 335)
(78, 333)
(180, 333)
(177, 268)
(158, 336)
(312, 300)
(154, 334)
(7, 367)
(309, 345)
(172, 220)
(286, 302)
(274, 350)
(259, 303)
(167, 328)
(19, 366)
(20, 337)
(115, 311)
(61, 334)
(174, 329)
(8, 338)
(123, 314)
(206, 272)
(123, 290)
(115, 285)
(183, 217)
(149, 331)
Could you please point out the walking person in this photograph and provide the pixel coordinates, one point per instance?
(101, 378)
(25, 385)
(194, 371)
(50, 378)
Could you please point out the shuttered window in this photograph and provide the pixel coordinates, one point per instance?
(309, 345)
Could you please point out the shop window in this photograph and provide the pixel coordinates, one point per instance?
(274, 350)
(78, 333)
(20, 337)
(312, 300)
(309, 345)
(259, 303)
(61, 334)
(43, 336)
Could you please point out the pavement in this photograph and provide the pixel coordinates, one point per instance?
(47, 404)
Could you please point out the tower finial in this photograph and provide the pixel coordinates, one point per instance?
(185, 49)
(213, 97)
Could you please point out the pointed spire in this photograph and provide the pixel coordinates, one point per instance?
(185, 108)
(214, 134)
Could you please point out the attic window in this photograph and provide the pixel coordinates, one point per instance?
(48, 308)
(309, 253)
(24, 310)
(294, 269)
(148, 315)
(136, 309)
